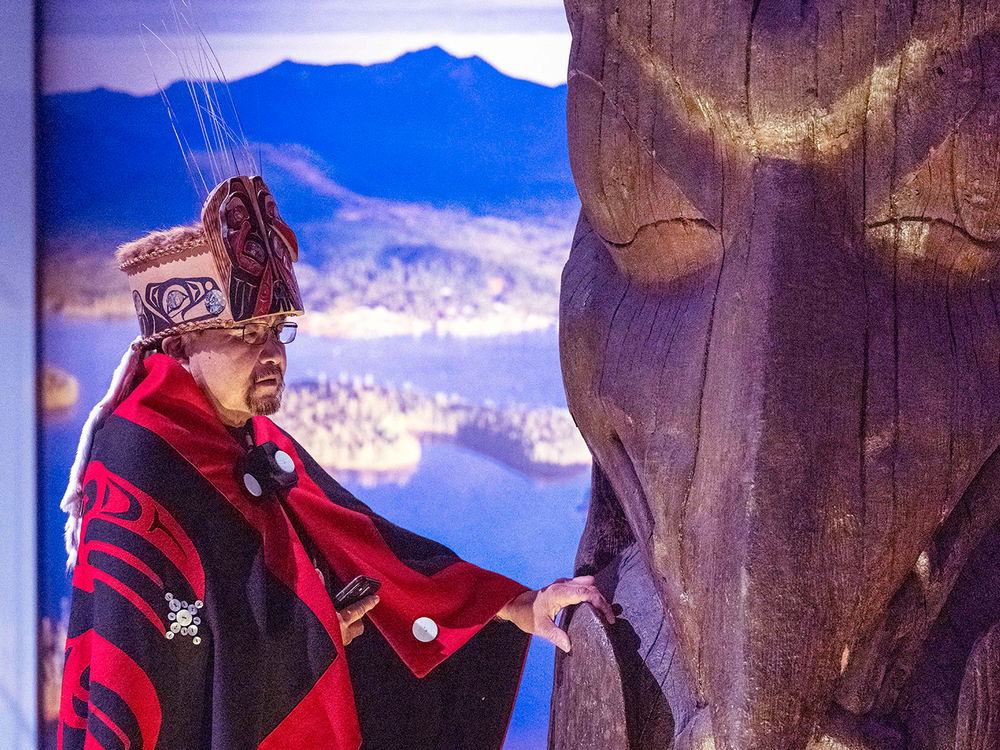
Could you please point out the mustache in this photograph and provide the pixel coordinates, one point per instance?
(268, 371)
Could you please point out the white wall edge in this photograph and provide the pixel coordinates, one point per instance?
(18, 518)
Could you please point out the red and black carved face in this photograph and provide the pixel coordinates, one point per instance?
(243, 233)
(279, 233)
(261, 248)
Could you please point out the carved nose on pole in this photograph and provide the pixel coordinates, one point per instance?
(266, 470)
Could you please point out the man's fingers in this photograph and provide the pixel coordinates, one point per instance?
(594, 597)
(351, 624)
(567, 594)
(603, 607)
(586, 580)
(576, 593)
(359, 609)
(535, 612)
(352, 631)
(550, 632)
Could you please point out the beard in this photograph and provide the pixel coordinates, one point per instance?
(263, 400)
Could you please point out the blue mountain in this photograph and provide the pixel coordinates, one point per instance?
(426, 127)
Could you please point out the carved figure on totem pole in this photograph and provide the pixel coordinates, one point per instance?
(780, 337)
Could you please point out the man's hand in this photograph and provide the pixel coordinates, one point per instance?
(535, 611)
(351, 623)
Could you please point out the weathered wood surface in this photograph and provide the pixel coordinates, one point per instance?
(592, 682)
(979, 703)
(780, 337)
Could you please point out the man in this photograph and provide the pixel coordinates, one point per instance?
(210, 545)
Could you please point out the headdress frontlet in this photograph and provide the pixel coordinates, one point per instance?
(234, 267)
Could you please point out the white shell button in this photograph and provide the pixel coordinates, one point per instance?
(425, 629)
(284, 461)
(252, 485)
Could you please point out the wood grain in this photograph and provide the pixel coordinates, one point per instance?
(780, 338)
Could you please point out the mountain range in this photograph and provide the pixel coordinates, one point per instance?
(426, 128)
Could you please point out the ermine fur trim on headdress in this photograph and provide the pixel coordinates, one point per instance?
(155, 245)
(72, 501)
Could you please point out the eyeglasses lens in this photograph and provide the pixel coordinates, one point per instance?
(256, 334)
(286, 333)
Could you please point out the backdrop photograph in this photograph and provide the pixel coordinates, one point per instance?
(419, 152)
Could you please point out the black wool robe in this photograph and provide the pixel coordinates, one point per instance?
(202, 616)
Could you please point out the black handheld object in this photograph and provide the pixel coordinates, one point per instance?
(355, 591)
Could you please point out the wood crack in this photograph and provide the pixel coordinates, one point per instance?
(982, 244)
(749, 55)
(684, 221)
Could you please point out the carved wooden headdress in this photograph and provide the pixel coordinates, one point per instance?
(234, 267)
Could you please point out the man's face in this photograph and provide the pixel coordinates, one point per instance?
(239, 379)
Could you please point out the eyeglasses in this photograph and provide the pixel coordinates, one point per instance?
(256, 334)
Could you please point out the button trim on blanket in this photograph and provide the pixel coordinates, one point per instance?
(425, 629)
(183, 618)
(284, 461)
(252, 485)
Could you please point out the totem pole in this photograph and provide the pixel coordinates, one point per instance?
(780, 337)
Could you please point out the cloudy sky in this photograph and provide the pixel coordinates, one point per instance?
(89, 43)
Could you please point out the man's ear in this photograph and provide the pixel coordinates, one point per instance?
(174, 346)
